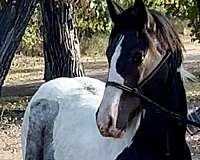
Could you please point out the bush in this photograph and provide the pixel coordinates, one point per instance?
(92, 16)
(92, 19)
(94, 46)
(31, 43)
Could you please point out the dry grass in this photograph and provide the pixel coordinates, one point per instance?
(10, 145)
(25, 70)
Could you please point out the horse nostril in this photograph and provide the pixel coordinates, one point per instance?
(110, 123)
(101, 129)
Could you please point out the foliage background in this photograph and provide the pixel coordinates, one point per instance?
(92, 19)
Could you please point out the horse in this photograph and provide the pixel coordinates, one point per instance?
(60, 123)
(145, 61)
(66, 117)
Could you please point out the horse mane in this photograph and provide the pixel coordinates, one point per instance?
(167, 34)
(169, 40)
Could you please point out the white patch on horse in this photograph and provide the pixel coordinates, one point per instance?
(113, 75)
(75, 134)
(109, 105)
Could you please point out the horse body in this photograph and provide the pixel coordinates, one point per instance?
(59, 123)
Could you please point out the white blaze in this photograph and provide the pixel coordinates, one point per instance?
(113, 75)
(111, 98)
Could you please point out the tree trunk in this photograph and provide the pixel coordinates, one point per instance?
(13, 21)
(61, 45)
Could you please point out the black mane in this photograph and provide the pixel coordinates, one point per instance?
(166, 32)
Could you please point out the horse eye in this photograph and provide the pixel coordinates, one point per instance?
(137, 58)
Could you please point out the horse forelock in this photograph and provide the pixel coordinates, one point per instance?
(161, 37)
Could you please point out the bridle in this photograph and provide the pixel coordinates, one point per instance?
(137, 92)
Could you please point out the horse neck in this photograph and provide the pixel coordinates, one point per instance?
(158, 134)
(169, 93)
(166, 88)
(175, 95)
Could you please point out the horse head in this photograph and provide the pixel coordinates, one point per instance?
(132, 54)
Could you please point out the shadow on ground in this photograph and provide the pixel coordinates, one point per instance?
(20, 90)
(92, 69)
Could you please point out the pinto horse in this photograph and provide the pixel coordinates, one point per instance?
(60, 123)
(144, 55)
(66, 118)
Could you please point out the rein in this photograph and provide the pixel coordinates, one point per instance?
(136, 92)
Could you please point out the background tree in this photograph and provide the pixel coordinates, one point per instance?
(93, 17)
(13, 20)
(61, 44)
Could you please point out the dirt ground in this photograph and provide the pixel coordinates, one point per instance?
(26, 76)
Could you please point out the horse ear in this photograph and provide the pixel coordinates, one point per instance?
(114, 10)
(140, 12)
